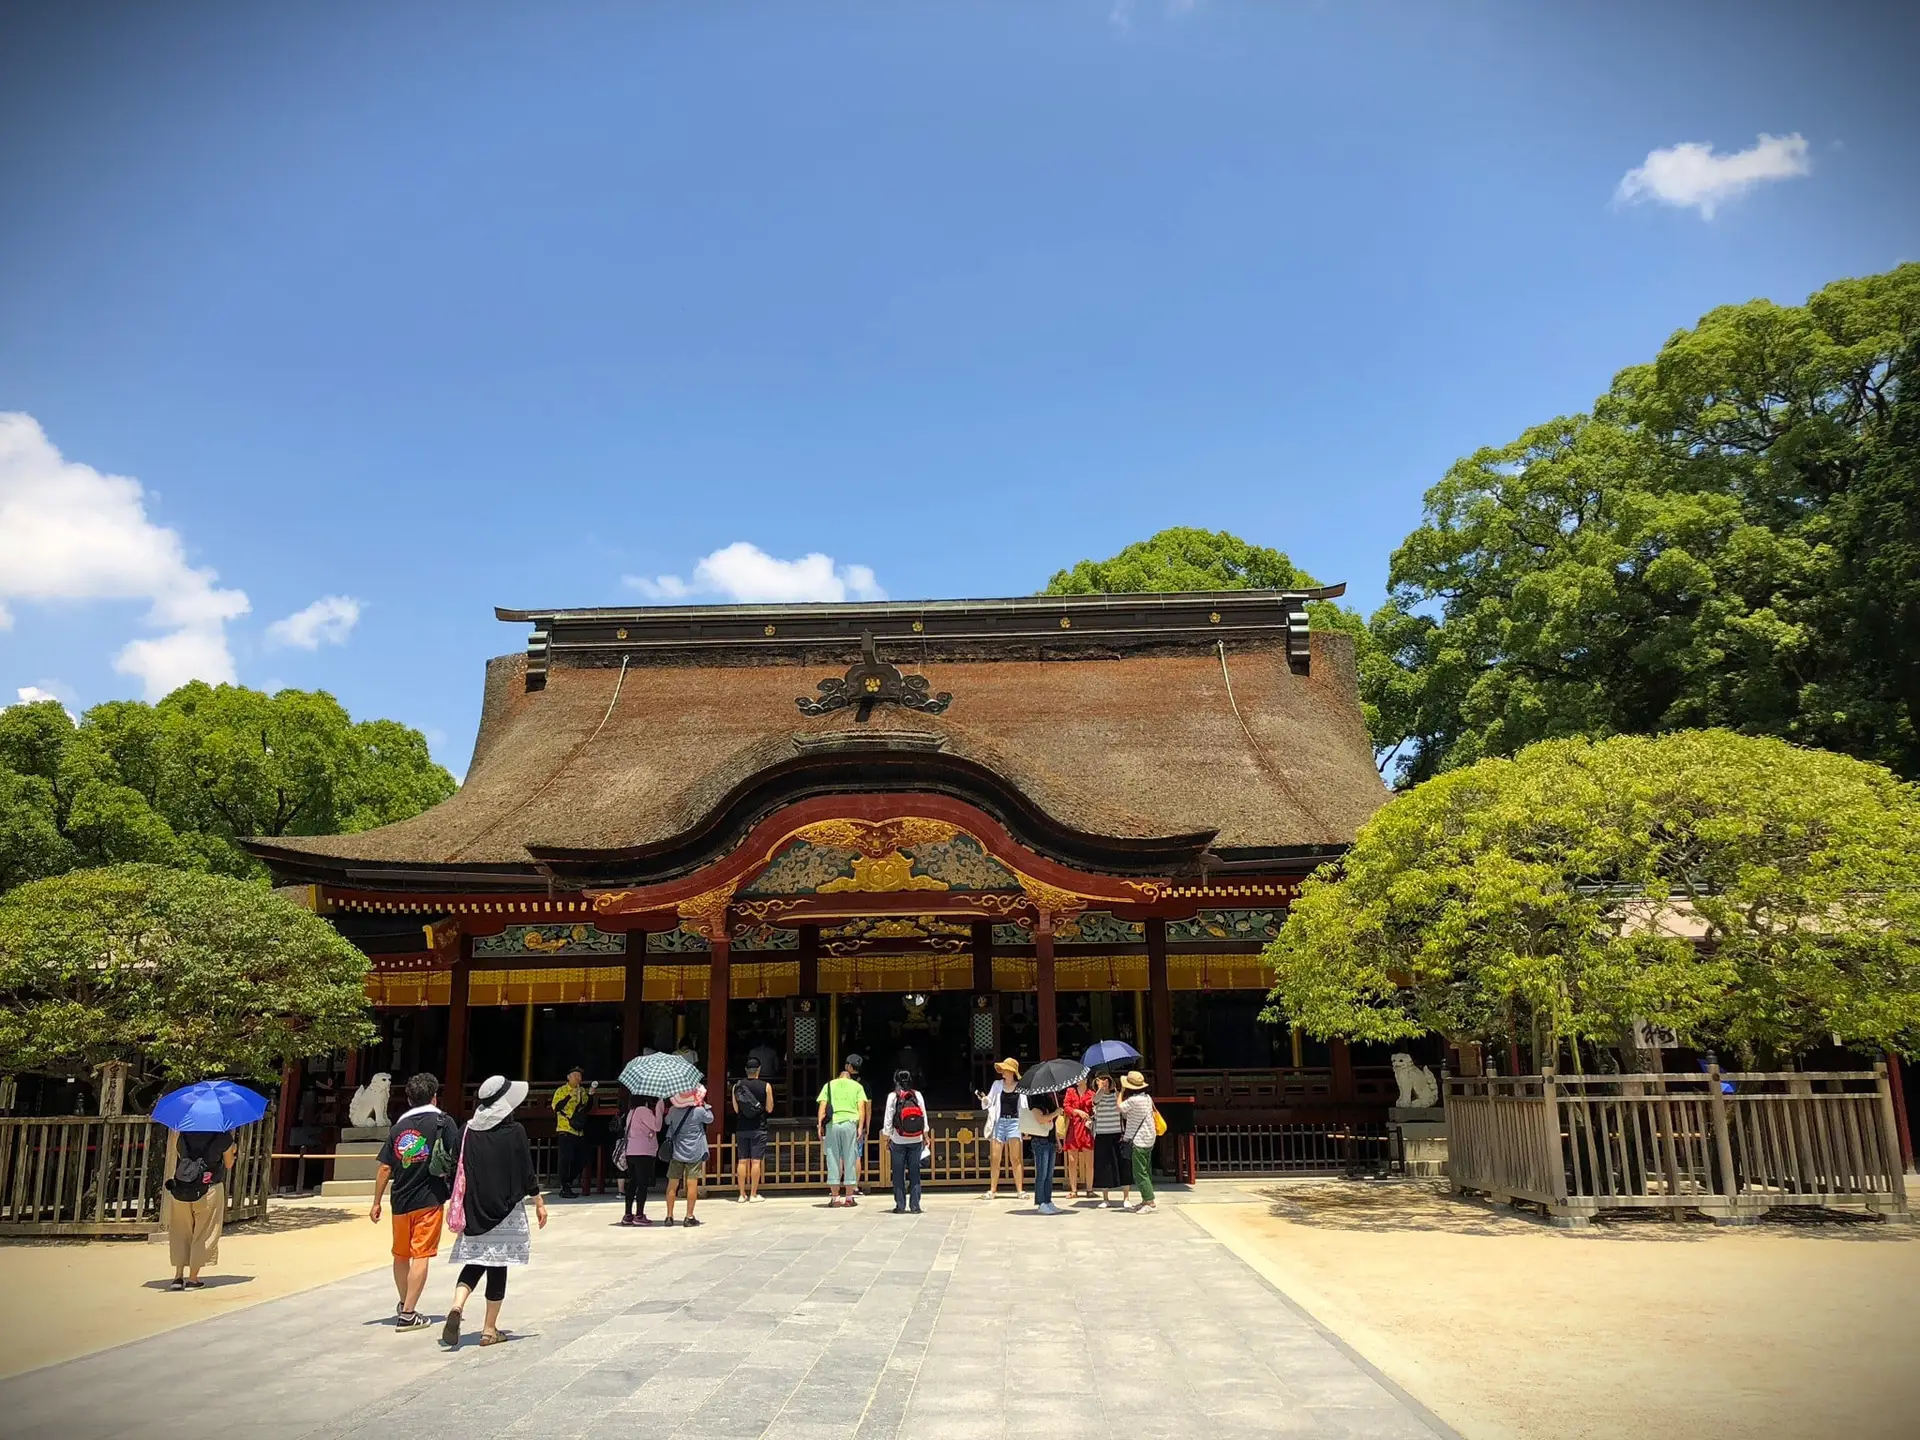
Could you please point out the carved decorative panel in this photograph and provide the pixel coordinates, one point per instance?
(530, 940)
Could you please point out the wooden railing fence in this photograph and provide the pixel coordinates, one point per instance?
(104, 1175)
(1731, 1145)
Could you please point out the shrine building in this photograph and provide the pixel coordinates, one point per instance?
(934, 833)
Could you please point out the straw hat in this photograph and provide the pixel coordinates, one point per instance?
(1133, 1080)
(1009, 1067)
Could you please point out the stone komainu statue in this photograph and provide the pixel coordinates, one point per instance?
(368, 1108)
(1418, 1089)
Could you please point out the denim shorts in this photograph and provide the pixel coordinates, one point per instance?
(1006, 1131)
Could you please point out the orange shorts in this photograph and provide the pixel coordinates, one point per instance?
(416, 1234)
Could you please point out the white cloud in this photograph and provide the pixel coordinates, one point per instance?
(52, 690)
(746, 574)
(1691, 174)
(67, 532)
(327, 621)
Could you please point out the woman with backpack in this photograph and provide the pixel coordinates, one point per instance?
(199, 1209)
(905, 1126)
(488, 1211)
(683, 1139)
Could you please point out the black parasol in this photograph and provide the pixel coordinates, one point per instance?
(1050, 1077)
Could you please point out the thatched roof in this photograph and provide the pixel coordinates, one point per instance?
(1133, 745)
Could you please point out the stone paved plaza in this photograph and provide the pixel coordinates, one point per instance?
(783, 1319)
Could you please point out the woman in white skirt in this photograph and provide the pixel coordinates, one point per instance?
(499, 1180)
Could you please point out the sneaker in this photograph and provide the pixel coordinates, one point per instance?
(914, 1211)
(691, 1222)
(415, 1321)
(896, 1211)
(669, 1221)
(642, 1220)
(759, 1199)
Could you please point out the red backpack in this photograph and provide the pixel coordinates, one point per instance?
(909, 1120)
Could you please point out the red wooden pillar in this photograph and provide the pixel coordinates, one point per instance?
(1160, 999)
(1898, 1093)
(719, 991)
(1043, 987)
(1342, 1056)
(634, 996)
(290, 1101)
(453, 1084)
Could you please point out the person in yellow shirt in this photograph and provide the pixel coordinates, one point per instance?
(570, 1103)
(844, 1112)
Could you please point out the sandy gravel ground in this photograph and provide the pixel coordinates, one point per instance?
(1510, 1330)
(74, 1297)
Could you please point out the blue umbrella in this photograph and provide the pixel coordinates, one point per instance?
(209, 1107)
(1109, 1052)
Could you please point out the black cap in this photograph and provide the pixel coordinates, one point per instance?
(853, 1062)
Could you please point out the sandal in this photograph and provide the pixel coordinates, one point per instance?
(494, 1337)
(450, 1332)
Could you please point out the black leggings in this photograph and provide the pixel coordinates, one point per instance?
(639, 1180)
(496, 1280)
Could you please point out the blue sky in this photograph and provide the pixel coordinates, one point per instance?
(407, 311)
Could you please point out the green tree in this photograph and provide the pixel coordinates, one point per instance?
(1185, 558)
(1697, 551)
(181, 975)
(1741, 891)
(176, 783)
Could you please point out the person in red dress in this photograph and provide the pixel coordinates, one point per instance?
(1077, 1105)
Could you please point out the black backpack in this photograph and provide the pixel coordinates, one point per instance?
(192, 1177)
(909, 1119)
(747, 1094)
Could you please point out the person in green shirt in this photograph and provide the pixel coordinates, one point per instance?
(844, 1113)
(570, 1103)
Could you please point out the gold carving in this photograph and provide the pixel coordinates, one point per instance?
(608, 902)
(1214, 618)
(763, 911)
(620, 634)
(705, 914)
(873, 685)
(918, 627)
(1147, 889)
(1066, 623)
(881, 874)
(769, 629)
(1051, 898)
(875, 838)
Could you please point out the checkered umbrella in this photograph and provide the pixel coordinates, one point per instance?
(661, 1073)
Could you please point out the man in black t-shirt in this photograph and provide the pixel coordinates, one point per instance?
(419, 1157)
(751, 1103)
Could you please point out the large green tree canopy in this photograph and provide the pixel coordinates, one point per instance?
(176, 783)
(1730, 538)
(1742, 891)
(1186, 558)
(182, 975)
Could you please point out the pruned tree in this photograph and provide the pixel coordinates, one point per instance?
(181, 975)
(1740, 891)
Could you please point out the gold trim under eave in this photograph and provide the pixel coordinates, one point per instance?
(890, 974)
